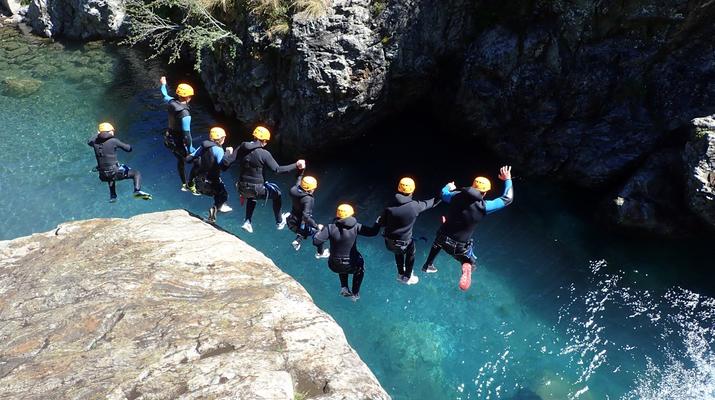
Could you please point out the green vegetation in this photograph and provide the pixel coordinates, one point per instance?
(300, 395)
(377, 7)
(175, 26)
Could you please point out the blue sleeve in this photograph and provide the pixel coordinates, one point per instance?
(186, 128)
(503, 201)
(218, 153)
(167, 98)
(447, 195)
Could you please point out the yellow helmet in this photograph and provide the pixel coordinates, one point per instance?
(217, 133)
(482, 184)
(344, 211)
(406, 186)
(105, 127)
(184, 90)
(262, 133)
(308, 183)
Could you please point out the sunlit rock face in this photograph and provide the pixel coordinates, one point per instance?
(77, 19)
(163, 305)
(700, 168)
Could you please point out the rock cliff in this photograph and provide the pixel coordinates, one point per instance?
(77, 19)
(589, 91)
(163, 306)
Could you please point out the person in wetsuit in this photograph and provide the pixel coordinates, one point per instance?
(301, 219)
(105, 147)
(398, 219)
(177, 137)
(345, 259)
(212, 159)
(466, 208)
(251, 184)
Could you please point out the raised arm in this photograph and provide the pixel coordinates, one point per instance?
(508, 196)
(164, 92)
(448, 191)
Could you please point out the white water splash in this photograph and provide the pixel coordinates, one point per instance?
(681, 323)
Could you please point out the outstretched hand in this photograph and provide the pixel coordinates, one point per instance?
(300, 164)
(451, 186)
(162, 80)
(505, 172)
(320, 227)
(229, 150)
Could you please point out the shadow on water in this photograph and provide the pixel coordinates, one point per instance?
(544, 318)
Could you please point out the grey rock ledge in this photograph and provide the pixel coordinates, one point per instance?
(163, 306)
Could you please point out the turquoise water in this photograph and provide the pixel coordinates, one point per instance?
(560, 307)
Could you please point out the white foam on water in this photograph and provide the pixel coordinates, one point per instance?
(681, 324)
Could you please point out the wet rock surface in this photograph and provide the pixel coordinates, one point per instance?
(80, 19)
(163, 305)
(699, 159)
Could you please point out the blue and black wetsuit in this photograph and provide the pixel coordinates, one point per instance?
(466, 209)
(105, 147)
(399, 219)
(211, 161)
(178, 135)
(344, 257)
(301, 219)
(251, 183)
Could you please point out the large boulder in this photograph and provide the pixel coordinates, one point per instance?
(699, 157)
(652, 198)
(78, 19)
(163, 306)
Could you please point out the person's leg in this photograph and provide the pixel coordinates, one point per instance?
(180, 169)
(220, 193)
(344, 285)
(410, 259)
(429, 263)
(250, 207)
(400, 262)
(357, 280)
(112, 190)
(275, 195)
(136, 177)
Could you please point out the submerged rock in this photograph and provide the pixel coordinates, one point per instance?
(20, 87)
(699, 157)
(163, 305)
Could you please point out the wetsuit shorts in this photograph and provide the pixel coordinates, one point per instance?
(258, 190)
(341, 265)
(208, 187)
(300, 228)
(116, 173)
(396, 246)
(175, 143)
(461, 251)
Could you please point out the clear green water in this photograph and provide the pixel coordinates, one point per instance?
(559, 308)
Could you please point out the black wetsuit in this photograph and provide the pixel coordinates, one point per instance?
(177, 139)
(466, 209)
(301, 219)
(399, 219)
(344, 256)
(251, 184)
(105, 151)
(208, 171)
